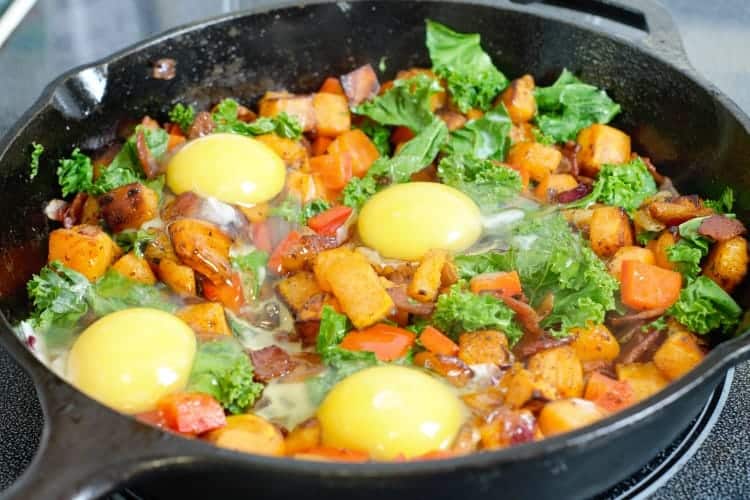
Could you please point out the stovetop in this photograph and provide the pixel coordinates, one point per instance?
(709, 460)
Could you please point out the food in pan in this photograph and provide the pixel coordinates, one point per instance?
(445, 263)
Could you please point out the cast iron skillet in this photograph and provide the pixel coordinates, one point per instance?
(682, 122)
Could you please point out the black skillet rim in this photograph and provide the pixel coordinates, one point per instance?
(717, 361)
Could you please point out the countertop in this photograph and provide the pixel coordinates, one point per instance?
(60, 34)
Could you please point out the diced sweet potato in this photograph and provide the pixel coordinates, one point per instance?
(360, 85)
(595, 343)
(90, 214)
(560, 367)
(206, 318)
(160, 247)
(538, 160)
(249, 433)
(485, 346)
(302, 186)
(727, 263)
(292, 152)
(552, 185)
(332, 117)
(425, 284)
(453, 119)
(355, 284)
(303, 437)
(522, 386)
(203, 247)
(579, 217)
(678, 210)
(645, 378)
(679, 354)
(256, 213)
(298, 106)
(566, 415)
(660, 247)
(600, 145)
(128, 207)
(297, 289)
(312, 309)
(452, 368)
(180, 279)
(610, 230)
(629, 252)
(521, 132)
(86, 249)
(135, 268)
(608, 393)
(484, 401)
(358, 147)
(519, 99)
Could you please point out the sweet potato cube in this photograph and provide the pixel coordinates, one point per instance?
(483, 347)
(180, 279)
(629, 252)
(292, 152)
(610, 394)
(135, 268)
(595, 343)
(86, 249)
(425, 284)
(679, 354)
(645, 378)
(304, 437)
(727, 263)
(298, 106)
(566, 415)
(600, 145)
(129, 206)
(560, 367)
(610, 230)
(206, 318)
(332, 117)
(538, 160)
(519, 99)
(552, 185)
(297, 289)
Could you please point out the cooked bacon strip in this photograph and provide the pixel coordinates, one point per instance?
(149, 164)
(452, 368)
(641, 316)
(271, 362)
(308, 332)
(360, 85)
(569, 162)
(307, 364)
(641, 346)
(189, 205)
(202, 125)
(721, 228)
(72, 214)
(574, 194)
(403, 302)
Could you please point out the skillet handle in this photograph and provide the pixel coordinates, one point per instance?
(86, 450)
(646, 15)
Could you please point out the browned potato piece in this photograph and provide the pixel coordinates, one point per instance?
(256, 213)
(203, 247)
(610, 230)
(579, 217)
(679, 354)
(521, 132)
(566, 415)
(560, 367)
(678, 210)
(159, 248)
(86, 249)
(601, 144)
(537, 159)
(303, 437)
(312, 309)
(205, 318)
(485, 346)
(90, 213)
(660, 246)
(425, 284)
(135, 268)
(595, 343)
(293, 153)
(645, 378)
(452, 368)
(179, 278)
(519, 99)
(332, 116)
(297, 289)
(629, 252)
(355, 284)
(727, 263)
(522, 386)
(552, 185)
(298, 106)
(249, 433)
(128, 207)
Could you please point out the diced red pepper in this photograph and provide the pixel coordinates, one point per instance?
(387, 342)
(192, 412)
(326, 223)
(275, 261)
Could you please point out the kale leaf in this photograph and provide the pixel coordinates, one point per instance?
(253, 267)
(407, 103)
(725, 202)
(626, 186)
(182, 115)
(380, 135)
(114, 292)
(485, 138)
(688, 252)
(226, 121)
(36, 153)
(483, 181)
(135, 240)
(703, 307)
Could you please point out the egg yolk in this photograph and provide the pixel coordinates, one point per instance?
(229, 167)
(406, 220)
(390, 411)
(130, 359)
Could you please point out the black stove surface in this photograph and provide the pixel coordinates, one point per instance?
(710, 458)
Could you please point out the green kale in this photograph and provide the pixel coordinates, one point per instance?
(645, 236)
(224, 371)
(226, 121)
(417, 325)
(36, 153)
(688, 252)
(313, 208)
(253, 267)
(114, 292)
(292, 211)
(407, 103)
(75, 174)
(135, 240)
(380, 135)
(626, 186)
(182, 115)
(483, 181)
(704, 307)
(473, 81)
(461, 311)
(485, 138)
(413, 157)
(490, 262)
(570, 105)
(725, 202)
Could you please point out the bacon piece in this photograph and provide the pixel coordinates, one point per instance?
(721, 228)
(202, 125)
(271, 362)
(308, 332)
(360, 85)
(569, 161)
(641, 346)
(189, 205)
(453, 369)
(69, 214)
(403, 302)
(302, 253)
(678, 210)
(307, 364)
(574, 194)
(639, 317)
(149, 164)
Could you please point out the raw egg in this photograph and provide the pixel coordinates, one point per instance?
(406, 220)
(389, 411)
(229, 167)
(130, 359)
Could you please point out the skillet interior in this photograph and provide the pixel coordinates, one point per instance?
(683, 127)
